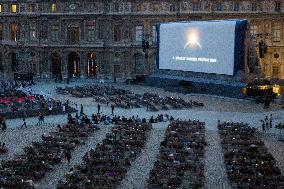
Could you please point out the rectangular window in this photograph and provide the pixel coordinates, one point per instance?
(116, 7)
(219, 6)
(32, 8)
(275, 71)
(253, 6)
(14, 8)
(14, 31)
(100, 30)
(236, 6)
(172, 8)
(91, 32)
(154, 34)
(138, 34)
(116, 33)
(53, 7)
(1, 8)
(253, 31)
(32, 33)
(55, 33)
(278, 6)
(276, 34)
(196, 6)
(1, 32)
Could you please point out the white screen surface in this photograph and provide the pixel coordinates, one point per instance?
(198, 46)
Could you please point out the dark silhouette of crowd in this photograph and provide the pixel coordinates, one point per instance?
(40, 157)
(17, 104)
(182, 151)
(248, 162)
(107, 164)
(127, 99)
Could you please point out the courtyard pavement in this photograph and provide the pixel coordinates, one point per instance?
(216, 108)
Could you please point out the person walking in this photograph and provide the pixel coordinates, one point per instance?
(82, 110)
(99, 108)
(112, 109)
(24, 123)
(270, 120)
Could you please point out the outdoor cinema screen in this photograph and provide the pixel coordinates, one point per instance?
(215, 46)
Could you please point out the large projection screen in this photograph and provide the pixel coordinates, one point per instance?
(200, 46)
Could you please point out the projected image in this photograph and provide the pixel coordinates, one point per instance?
(198, 46)
(192, 36)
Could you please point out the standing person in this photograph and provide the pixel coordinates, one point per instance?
(99, 108)
(67, 154)
(24, 123)
(39, 119)
(266, 123)
(82, 110)
(50, 109)
(270, 120)
(63, 108)
(107, 103)
(263, 125)
(4, 126)
(112, 109)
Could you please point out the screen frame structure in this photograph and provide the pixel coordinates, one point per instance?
(241, 27)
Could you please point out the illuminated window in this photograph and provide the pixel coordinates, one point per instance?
(13, 8)
(14, 31)
(53, 7)
(1, 8)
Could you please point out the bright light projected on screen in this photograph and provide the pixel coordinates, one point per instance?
(198, 46)
(192, 36)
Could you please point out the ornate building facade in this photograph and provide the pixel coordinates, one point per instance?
(103, 38)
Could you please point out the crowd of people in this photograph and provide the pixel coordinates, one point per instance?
(17, 104)
(248, 162)
(108, 163)
(40, 157)
(180, 163)
(127, 99)
(7, 85)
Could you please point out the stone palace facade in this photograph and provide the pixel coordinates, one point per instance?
(103, 38)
